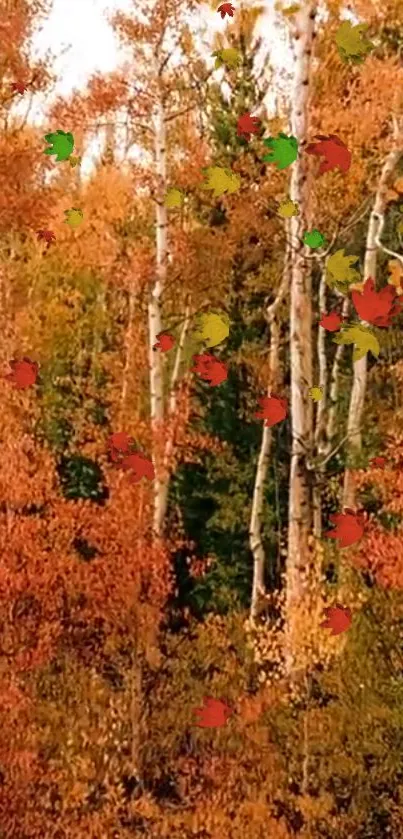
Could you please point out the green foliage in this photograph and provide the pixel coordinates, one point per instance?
(81, 477)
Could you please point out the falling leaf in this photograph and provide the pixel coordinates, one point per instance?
(332, 322)
(316, 393)
(212, 329)
(283, 150)
(364, 340)
(226, 9)
(165, 342)
(74, 217)
(349, 528)
(351, 42)
(221, 180)
(139, 467)
(230, 57)
(213, 713)
(339, 271)
(47, 236)
(18, 87)
(338, 619)
(377, 462)
(395, 269)
(247, 125)
(61, 144)
(273, 409)
(288, 208)
(119, 444)
(314, 239)
(173, 198)
(23, 373)
(74, 161)
(210, 369)
(333, 150)
(376, 307)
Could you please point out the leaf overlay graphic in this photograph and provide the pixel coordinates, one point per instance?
(213, 714)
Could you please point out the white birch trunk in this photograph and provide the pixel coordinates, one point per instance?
(154, 314)
(300, 500)
(357, 398)
(255, 527)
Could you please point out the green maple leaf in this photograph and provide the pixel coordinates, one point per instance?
(339, 271)
(231, 57)
(351, 42)
(314, 239)
(221, 180)
(284, 150)
(62, 144)
(364, 340)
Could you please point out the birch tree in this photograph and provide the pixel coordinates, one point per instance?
(300, 496)
(357, 397)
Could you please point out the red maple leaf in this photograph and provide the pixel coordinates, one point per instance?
(377, 307)
(226, 9)
(119, 444)
(332, 322)
(247, 125)
(209, 368)
(23, 373)
(213, 713)
(334, 152)
(139, 466)
(338, 619)
(377, 462)
(47, 236)
(18, 87)
(164, 342)
(349, 528)
(273, 409)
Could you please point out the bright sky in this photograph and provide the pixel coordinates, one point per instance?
(79, 35)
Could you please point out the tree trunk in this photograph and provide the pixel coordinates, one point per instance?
(155, 318)
(255, 528)
(357, 398)
(300, 496)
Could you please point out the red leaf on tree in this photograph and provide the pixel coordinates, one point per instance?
(273, 409)
(376, 307)
(139, 466)
(334, 152)
(213, 713)
(247, 125)
(18, 87)
(23, 373)
(226, 9)
(349, 528)
(332, 322)
(209, 368)
(338, 619)
(47, 236)
(164, 342)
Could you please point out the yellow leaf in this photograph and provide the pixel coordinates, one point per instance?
(173, 198)
(288, 208)
(316, 393)
(395, 269)
(212, 329)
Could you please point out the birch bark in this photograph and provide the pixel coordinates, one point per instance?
(300, 496)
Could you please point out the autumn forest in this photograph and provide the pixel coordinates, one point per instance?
(201, 426)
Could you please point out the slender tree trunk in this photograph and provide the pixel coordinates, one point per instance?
(300, 496)
(128, 353)
(154, 315)
(357, 398)
(255, 528)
